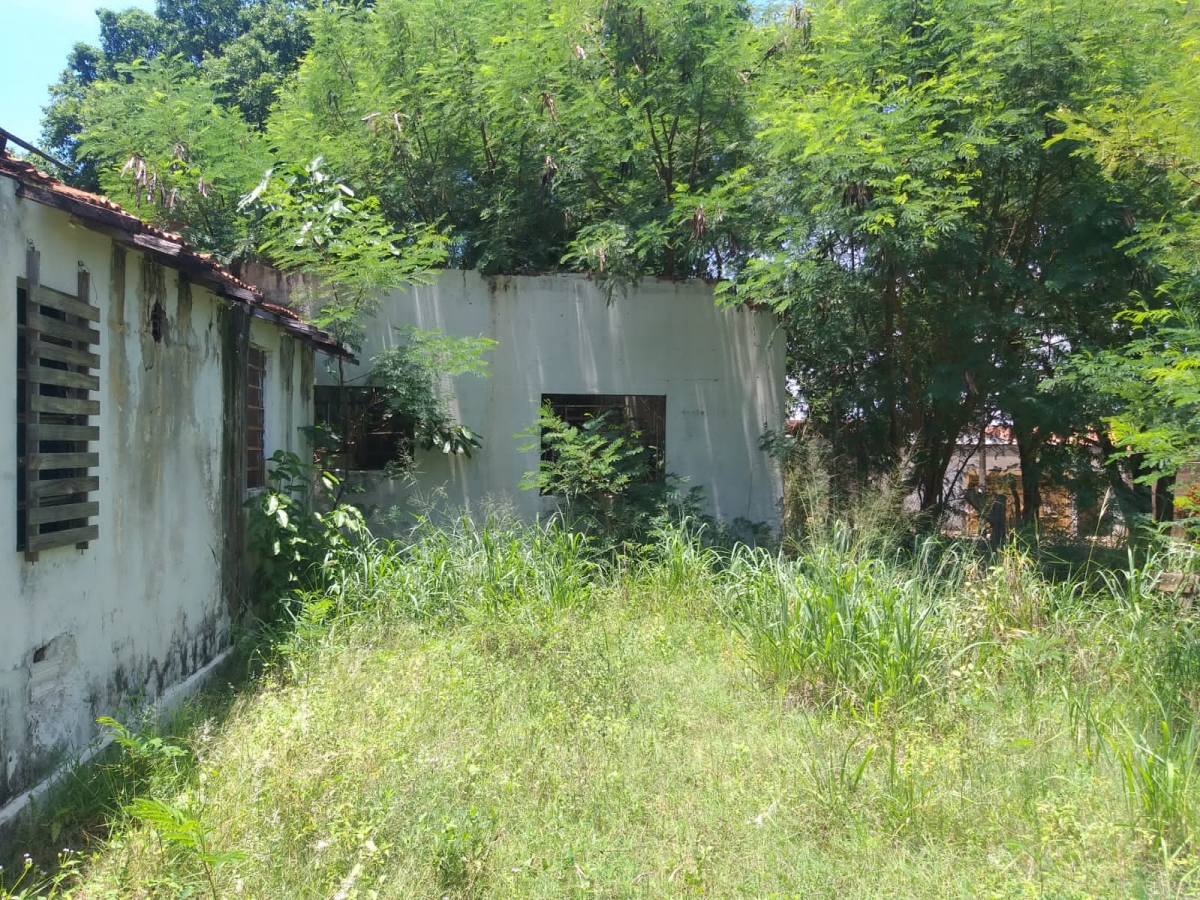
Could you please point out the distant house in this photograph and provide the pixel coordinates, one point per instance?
(993, 466)
(702, 383)
(143, 388)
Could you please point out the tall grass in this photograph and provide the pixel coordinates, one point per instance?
(1160, 773)
(841, 626)
(444, 572)
(498, 709)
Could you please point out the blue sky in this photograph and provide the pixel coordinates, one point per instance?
(35, 38)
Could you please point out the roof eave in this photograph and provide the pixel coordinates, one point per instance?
(132, 232)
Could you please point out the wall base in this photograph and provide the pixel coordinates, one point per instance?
(12, 814)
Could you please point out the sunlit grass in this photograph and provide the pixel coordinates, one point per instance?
(497, 713)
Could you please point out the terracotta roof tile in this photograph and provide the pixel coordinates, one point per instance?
(100, 210)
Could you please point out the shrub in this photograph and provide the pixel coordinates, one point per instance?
(604, 477)
(296, 531)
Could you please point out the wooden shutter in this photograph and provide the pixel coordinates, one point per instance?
(58, 371)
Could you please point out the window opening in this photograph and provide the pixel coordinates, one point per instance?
(158, 322)
(357, 420)
(57, 380)
(645, 414)
(256, 463)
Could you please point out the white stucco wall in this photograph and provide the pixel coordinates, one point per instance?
(287, 387)
(722, 371)
(143, 607)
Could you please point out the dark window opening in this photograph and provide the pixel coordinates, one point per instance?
(363, 436)
(158, 322)
(256, 463)
(643, 414)
(56, 380)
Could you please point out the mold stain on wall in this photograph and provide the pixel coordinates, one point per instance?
(287, 363)
(106, 628)
(234, 327)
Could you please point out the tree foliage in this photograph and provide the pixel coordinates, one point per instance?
(937, 245)
(350, 254)
(414, 374)
(535, 131)
(1149, 147)
(953, 204)
(161, 145)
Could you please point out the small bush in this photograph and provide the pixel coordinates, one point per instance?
(297, 531)
(605, 478)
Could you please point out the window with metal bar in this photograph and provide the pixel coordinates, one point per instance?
(256, 463)
(365, 435)
(645, 415)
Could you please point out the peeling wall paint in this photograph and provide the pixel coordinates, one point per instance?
(150, 602)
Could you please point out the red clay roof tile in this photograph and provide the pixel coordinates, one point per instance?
(82, 202)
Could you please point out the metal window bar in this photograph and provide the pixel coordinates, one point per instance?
(646, 413)
(256, 463)
(358, 414)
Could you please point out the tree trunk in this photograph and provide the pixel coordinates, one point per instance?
(1134, 499)
(1164, 499)
(895, 442)
(995, 515)
(1031, 476)
(929, 476)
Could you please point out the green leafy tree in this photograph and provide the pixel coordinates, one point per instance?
(164, 147)
(199, 28)
(655, 111)
(936, 258)
(543, 135)
(1148, 146)
(249, 71)
(439, 116)
(243, 51)
(316, 225)
(125, 37)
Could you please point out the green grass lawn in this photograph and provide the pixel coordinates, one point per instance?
(490, 716)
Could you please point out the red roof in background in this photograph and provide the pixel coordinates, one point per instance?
(102, 214)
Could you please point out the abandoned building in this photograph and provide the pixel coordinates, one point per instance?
(144, 387)
(701, 383)
(991, 464)
(147, 387)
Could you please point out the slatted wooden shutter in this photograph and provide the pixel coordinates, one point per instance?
(59, 371)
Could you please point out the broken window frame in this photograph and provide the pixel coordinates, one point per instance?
(57, 364)
(367, 437)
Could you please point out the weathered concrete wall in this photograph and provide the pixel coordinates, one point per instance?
(288, 386)
(149, 602)
(721, 370)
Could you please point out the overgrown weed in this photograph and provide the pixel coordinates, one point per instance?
(493, 708)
